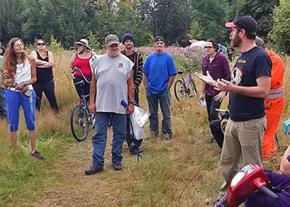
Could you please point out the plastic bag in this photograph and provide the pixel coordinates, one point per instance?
(138, 120)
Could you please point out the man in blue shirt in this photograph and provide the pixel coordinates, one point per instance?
(3, 110)
(159, 74)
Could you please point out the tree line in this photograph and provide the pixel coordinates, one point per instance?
(178, 21)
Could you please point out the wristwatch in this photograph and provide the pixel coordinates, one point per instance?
(131, 102)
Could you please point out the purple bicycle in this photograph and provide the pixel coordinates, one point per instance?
(185, 87)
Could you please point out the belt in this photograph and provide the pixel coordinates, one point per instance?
(275, 93)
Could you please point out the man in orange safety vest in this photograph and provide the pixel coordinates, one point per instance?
(274, 103)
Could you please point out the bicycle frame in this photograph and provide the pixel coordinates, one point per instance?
(84, 103)
(83, 100)
(185, 86)
(187, 81)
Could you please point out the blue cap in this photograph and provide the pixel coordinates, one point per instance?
(128, 36)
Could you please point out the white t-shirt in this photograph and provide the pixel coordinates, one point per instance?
(112, 74)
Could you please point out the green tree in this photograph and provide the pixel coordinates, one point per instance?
(195, 31)
(65, 20)
(11, 19)
(262, 11)
(211, 17)
(280, 35)
(170, 19)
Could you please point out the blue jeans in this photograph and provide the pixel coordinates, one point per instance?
(211, 106)
(164, 100)
(3, 108)
(16, 99)
(99, 140)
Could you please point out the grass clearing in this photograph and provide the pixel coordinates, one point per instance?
(181, 172)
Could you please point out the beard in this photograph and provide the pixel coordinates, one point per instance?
(236, 41)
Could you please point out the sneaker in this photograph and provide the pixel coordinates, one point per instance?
(117, 166)
(93, 170)
(167, 136)
(224, 187)
(37, 155)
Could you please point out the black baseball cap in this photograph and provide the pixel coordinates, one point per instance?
(247, 23)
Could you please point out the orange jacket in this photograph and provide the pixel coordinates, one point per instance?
(277, 70)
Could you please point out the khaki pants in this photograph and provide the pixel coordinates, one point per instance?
(242, 139)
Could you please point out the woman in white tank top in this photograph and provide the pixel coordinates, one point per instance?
(19, 73)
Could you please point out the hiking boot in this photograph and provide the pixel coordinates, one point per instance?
(37, 155)
(167, 136)
(93, 170)
(117, 166)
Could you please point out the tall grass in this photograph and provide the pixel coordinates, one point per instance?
(181, 172)
(20, 171)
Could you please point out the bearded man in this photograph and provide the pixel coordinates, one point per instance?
(249, 86)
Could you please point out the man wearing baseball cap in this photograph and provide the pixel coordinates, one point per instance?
(112, 83)
(249, 86)
(159, 74)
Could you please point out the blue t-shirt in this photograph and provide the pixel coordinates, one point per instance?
(158, 68)
(252, 65)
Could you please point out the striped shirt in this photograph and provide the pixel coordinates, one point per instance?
(137, 59)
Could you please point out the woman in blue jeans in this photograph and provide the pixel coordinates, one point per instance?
(19, 73)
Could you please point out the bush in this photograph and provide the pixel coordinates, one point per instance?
(280, 35)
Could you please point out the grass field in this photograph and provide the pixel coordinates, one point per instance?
(181, 172)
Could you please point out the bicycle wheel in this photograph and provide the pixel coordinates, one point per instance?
(179, 90)
(193, 87)
(79, 123)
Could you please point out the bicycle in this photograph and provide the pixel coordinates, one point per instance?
(81, 119)
(185, 87)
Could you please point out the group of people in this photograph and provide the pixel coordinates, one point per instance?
(256, 81)
(23, 80)
(115, 77)
(255, 87)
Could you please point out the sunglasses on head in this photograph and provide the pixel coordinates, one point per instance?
(208, 47)
(40, 43)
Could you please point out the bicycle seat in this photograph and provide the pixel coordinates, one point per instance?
(180, 71)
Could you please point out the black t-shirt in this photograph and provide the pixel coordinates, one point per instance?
(249, 67)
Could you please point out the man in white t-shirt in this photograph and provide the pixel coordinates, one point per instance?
(112, 83)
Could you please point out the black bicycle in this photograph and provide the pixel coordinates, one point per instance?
(185, 87)
(81, 119)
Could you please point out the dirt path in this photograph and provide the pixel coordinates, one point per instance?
(76, 189)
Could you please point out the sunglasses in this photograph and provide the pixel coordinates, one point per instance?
(41, 43)
(208, 47)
